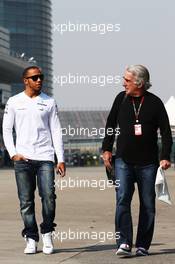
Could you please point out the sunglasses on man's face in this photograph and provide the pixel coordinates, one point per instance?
(35, 77)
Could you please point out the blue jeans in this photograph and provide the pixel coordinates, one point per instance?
(144, 176)
(27, 174)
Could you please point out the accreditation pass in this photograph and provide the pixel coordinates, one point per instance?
(138, 129)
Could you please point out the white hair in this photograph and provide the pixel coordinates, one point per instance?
(142, 75)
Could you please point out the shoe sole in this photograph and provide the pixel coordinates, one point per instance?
(29, 253)
(48, 253)
(123, 253)
(141, 255)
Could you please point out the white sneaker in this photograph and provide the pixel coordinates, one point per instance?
(31, 246)
(124, 250)
(47, 243)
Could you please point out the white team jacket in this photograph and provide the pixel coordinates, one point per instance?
(37, 126)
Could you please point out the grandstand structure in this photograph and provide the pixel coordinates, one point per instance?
(82, 119)
(83, 132)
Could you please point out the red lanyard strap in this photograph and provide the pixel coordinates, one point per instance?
(137, 111)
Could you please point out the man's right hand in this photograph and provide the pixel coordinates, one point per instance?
(18, 157)
(107, 158)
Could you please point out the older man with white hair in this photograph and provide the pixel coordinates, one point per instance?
(139, 114)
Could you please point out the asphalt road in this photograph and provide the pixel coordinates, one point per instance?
(84, 217)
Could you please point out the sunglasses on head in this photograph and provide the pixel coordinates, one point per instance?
(35, 77)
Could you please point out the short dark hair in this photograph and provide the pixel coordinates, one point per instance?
(29, 68)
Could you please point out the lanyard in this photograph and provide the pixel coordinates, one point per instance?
(137, 111)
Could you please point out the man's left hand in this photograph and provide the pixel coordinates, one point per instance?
(61, 169)
(165, 164)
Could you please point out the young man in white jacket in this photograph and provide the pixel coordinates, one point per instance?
(34, 116)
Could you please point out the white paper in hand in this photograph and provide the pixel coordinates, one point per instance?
(161, 187)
